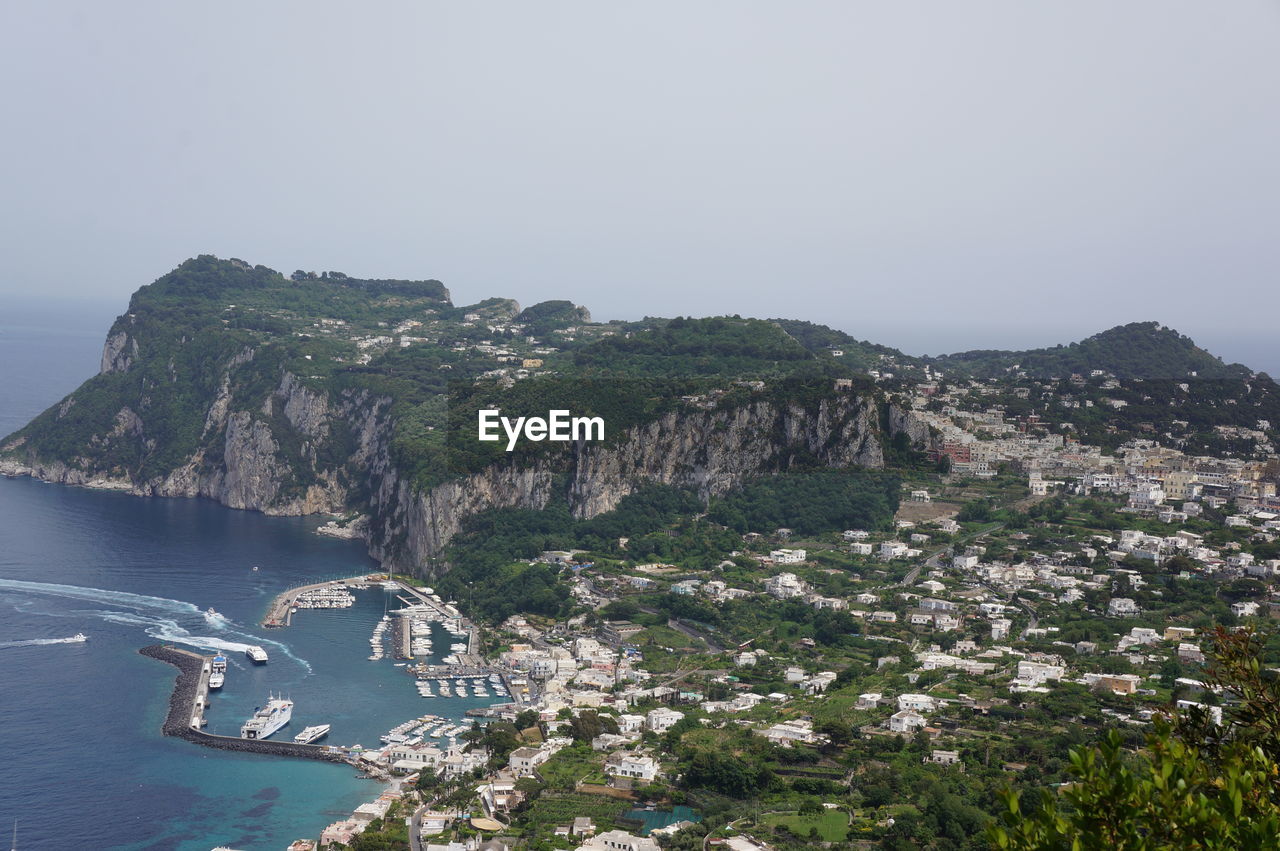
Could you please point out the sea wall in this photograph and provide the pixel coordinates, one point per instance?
(177, 722)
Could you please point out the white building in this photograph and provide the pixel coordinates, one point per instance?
(618, 840)
(889, 550)
(784, 586)
(917, 702)
(1123, 607)
(906, 721)
(525, 760)
(634, 766)
(661, 720)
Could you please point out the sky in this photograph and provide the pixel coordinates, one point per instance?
(937, 176)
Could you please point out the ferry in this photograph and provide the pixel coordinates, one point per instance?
(256, 654)
(311, 734)
(218, 671)
(268, 719)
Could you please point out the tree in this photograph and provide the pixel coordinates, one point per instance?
(1198, 784)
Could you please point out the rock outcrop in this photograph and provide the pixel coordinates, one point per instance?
(709, 451)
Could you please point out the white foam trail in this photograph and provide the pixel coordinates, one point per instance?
(155, 625)
(32, 642)
(101, 595)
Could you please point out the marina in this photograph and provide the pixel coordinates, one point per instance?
(333, 593)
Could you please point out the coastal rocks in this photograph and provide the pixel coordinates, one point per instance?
(351, 529)
(62, 473)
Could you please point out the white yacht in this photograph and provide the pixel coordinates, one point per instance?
(311, 734)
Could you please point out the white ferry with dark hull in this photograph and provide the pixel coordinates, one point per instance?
(217, 671)
(268, 719)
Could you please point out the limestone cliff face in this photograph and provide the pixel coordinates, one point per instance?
(903, 421)
(289, 446)
(246, 457)
(119, 352)
(710, 451)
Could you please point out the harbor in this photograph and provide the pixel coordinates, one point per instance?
(189, 700)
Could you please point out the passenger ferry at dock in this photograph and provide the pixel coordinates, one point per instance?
(268, 719)
(218, 671)
(311, 734)
(256, 654)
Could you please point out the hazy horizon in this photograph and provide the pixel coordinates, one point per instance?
(936, 177)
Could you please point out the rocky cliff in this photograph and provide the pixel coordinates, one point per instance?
(274, 453)
(325, 394)
(710, 451)
(303, 450)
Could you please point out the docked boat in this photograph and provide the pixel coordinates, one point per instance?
(256, 654)
(311, 734)
(218, 671)
(268, 719)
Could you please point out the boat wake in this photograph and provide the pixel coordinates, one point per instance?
(159, 617)
(124, 599)
(34, 642)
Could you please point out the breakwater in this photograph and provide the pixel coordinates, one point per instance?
(183, 705)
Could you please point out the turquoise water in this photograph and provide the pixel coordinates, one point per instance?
(81, 722)
(654, 819)
(84, 764)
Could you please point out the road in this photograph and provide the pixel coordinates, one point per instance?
(1031, 622)
(415, 828)
(697, 634)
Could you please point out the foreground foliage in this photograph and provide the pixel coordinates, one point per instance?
(1198, 784)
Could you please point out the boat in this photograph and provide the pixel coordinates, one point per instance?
(311, 734)
(78, 638)
(256, 654)
(255, 567)
(268, 719)
(218, 671)
(211, 613)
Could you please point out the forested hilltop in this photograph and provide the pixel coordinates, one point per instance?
(1136, 350)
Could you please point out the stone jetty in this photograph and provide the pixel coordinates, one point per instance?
(187, 702)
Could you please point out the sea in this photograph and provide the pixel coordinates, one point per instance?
(84, 763)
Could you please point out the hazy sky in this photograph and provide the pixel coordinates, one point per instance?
(934, 175)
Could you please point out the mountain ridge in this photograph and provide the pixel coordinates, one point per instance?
(323, 393)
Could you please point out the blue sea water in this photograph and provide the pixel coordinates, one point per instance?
(84, 764)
